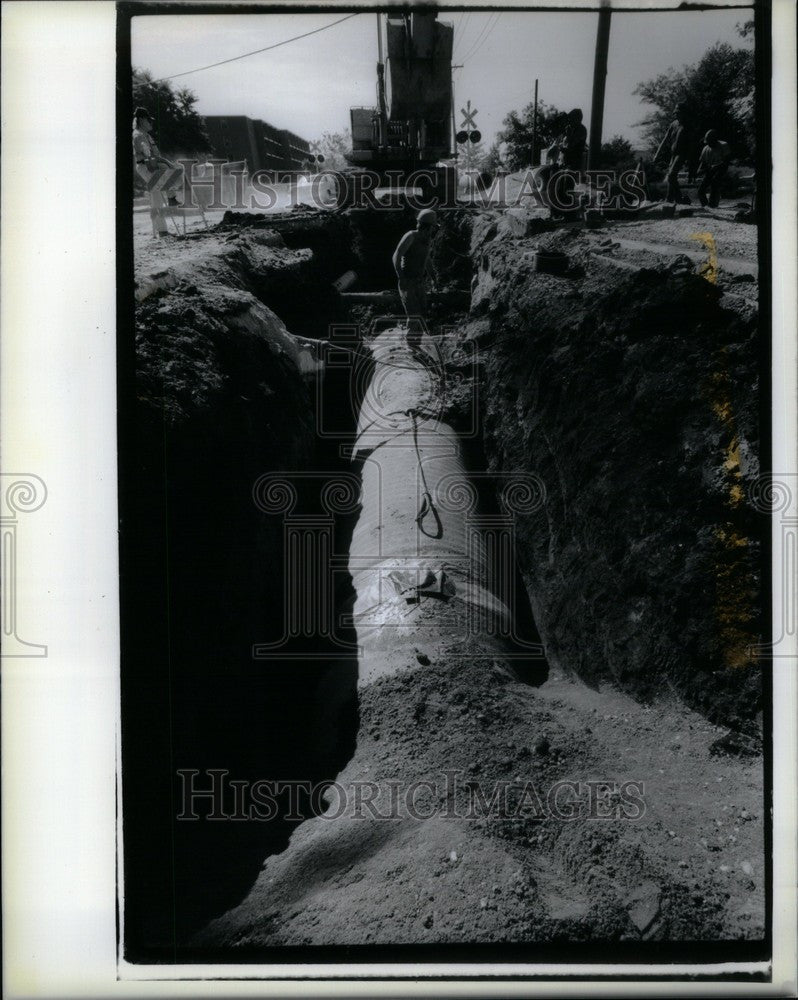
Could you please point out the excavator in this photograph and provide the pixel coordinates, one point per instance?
(400, 142)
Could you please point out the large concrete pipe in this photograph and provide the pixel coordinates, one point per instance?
(420, 568)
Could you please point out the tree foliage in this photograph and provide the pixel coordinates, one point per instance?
(718, 93)
(741, 100)
(470, 155)
(178, 128)
(332, 146)
(617, 154)
(492, 160)
(517, 132)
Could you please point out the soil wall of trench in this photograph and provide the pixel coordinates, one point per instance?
(631, 396)
(220, 389)
(224, 394)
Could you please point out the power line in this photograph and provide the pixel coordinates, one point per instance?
(490, 32)
(461, 27)
(489, 23)
(456, 33)
(267, 48)
(477, 38)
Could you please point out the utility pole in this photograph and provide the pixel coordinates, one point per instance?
(535, 128)
(382, 113)
(454, 127)
(599, 83)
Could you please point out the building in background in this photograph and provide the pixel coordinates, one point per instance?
(261, 145)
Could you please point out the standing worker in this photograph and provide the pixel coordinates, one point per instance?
(573, 141)
(678, 139)
(542, 177)
(149, 167)
(411, 263)
(562, 184)
(714, 161)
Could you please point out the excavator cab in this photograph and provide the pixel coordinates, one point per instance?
(411, 126)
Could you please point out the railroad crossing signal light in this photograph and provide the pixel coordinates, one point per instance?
(475, 136)
(468, 129)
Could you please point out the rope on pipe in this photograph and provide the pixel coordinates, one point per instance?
(427, 503)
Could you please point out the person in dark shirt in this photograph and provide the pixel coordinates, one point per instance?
(560, 182)
(714, 162)
(573, 141)
(677, 140)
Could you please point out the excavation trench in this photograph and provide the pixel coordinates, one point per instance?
(430, 549)
(396, 559)
(253, 374)
(429, 566)
(375, 531)
(423, 549)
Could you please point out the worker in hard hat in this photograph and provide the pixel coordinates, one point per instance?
(714, 161)
(411, 263)
(150, 166)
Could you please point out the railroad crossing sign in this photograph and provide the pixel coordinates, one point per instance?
(468, 129)
(468, 116)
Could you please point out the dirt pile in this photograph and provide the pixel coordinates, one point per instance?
(477, 809)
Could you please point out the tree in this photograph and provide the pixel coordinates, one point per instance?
(617, 154)
(333, 146)
(742, 98)
(746, 29)
(470, 155)
(492, 160)
(718, 93)
(178, 128)
(517, 132)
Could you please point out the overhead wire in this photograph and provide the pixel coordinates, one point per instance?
(474, 41)
(484, 40)
(491, 19)
(255, 52)
(461, 27)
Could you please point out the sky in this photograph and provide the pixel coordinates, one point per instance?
(309, 85)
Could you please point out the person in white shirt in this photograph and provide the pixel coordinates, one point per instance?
(714, 161)
(150, 167)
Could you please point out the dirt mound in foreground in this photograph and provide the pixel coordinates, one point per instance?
(551, 858)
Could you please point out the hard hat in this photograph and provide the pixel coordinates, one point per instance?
(711, 135)
(426, 217)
